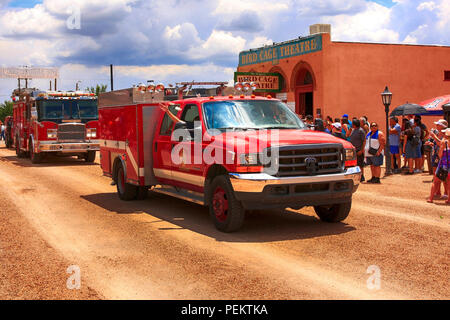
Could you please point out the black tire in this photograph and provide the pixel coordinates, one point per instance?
(35, 157)
(333, 213)
(90, 156)
(141, 193)
(125, 190)
(231, 218)
(19, 153)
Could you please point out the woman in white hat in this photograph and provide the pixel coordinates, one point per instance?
(444, 163)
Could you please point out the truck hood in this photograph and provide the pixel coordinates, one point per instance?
(273, 138)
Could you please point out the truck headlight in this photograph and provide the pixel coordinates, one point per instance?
(350, 154)
(91, 133)
(52, 133)
(249, 159)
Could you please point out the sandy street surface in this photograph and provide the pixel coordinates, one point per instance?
(64, 212)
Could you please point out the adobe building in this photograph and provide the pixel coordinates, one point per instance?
(318, 76)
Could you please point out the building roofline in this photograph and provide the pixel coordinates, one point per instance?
(281, 43)
(394, 44)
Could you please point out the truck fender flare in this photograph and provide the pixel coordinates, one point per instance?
(119, 160)
(212, 172)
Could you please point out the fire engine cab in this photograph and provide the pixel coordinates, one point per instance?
(55, 122)
(231, 153)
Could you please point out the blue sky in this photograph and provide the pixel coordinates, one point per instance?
(174, 40)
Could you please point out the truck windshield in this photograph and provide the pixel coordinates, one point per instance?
(247, 114)
(58, 110)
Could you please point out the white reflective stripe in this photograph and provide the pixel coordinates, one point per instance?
(180, 176)
(113, 144)
(141, 172)
(133, 163)
(162, 173)
(188, 178)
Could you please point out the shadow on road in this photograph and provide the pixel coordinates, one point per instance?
(49, 161)
(259, 226)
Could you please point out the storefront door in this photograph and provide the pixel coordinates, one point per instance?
(304, 100)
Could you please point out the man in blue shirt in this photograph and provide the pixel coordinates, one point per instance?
(394, 142)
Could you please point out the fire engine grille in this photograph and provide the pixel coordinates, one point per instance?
(310, 159)
(71, 132)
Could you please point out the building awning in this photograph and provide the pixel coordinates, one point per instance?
(434, 105)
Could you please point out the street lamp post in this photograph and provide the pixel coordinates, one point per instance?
(386, 97)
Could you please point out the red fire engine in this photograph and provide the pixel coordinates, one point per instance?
(55, 122)
(263, 155)
(9, 131)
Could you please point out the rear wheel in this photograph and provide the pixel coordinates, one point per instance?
(333, 213)
(90, 156)
(125, 190)
(225, 210)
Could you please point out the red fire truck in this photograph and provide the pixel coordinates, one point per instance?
(9, 131)
(231, 153)
(55, 122)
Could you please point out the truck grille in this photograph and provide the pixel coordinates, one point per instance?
(310, 159)
(71, 132)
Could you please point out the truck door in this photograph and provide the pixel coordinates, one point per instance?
(188, 173)
(162, 148)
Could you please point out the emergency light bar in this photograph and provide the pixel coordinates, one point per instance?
(246, 86)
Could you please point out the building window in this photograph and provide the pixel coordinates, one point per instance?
(447, 75)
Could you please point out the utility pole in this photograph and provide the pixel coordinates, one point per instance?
(112, 77)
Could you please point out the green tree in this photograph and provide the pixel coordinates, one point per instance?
(6, 109)
(97, 89)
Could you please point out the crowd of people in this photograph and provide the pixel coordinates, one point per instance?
(409, 139)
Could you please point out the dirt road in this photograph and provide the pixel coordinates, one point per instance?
(64, 213)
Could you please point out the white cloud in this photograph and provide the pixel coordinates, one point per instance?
(35, 22)
(430, 6)
(219, 43)
(369, 25)
(329, 7)
(258, 41)
(235, 7)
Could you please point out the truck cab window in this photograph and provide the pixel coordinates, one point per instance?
(167, 123)
(190, 115)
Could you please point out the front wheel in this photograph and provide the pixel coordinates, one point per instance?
(225, 210)
(125, 190)
(35, 157)
(19, 153)
(333, 213)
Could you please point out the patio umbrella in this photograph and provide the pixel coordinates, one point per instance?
(408, 108)
(434, 105)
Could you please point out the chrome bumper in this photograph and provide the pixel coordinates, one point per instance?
(256, 182)
(73, 147)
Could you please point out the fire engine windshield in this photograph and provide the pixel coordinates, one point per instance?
(248, 114)
(58, 110)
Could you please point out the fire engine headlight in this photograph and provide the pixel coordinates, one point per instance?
(52, 133)
(350, 154)
(249, 159)
(91, 133)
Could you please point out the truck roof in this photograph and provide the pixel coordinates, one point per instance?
(224, 98)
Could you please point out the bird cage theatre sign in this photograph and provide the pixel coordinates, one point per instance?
(265, 82)
(272, 82)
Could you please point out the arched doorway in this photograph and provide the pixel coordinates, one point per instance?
(304, 89)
